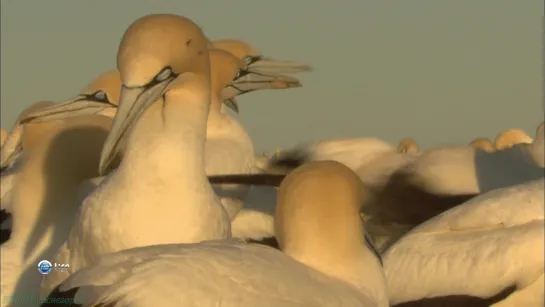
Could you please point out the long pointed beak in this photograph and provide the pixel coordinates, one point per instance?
(253, 80)
(268, 65)
(132, 103)
(78, 106)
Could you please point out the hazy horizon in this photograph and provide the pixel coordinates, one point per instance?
(440, 72)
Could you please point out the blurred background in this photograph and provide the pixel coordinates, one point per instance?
(441, 72)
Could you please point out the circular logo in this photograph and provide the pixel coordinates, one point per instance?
(44, 267)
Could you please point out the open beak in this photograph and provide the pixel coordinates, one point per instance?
(252, 80)
(78, 106)
(268, 65)
(132, 103)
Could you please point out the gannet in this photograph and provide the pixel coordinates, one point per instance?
(510, 137)
(393, 204)
(466, 170)
(408, 145)
(44, 198)
(483, 143)
(163, 61)
(486, 252)
(30, 130)
(325, 259)
(229, 149)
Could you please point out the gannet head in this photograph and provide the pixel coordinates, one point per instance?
(510, 137)
(258, 72)
(318, 211)
(100, 97)
(407, 145)
(483, 144)
(255, 60)
(156, 52)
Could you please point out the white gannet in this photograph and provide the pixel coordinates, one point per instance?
(325, 259)
(161, 124)
(483, 143)
(510, 137)
(408, 145)
(466, 170)
(392, 205)
(30, 129)
(352, 152)
(44, 198)
(229, 149)
(255, 221)
(486, 252)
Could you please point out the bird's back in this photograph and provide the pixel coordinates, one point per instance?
(236, 274)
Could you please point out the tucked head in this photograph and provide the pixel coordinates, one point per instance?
(511, 137)
(407, 145)
(159, 55)
(318, 210)
(483, 144)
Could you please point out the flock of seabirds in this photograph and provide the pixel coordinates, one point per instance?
(152, 193)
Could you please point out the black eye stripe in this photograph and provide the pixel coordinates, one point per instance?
(98, 96)
(241, 73)
(251, 59)
(156, 80)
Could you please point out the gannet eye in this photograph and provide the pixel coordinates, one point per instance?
(251, 59)
(100, 96)
(164, 74)
(241, 73)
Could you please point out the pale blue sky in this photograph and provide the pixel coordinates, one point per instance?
(438, 71)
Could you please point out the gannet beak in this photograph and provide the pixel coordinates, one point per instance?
(78, 106)
(232, 104)
(268, 65)
(250, 80)
(132, 103)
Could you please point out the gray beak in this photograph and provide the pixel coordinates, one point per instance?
(268, 65)
(250, 80)
(132, 103)
(78, 106)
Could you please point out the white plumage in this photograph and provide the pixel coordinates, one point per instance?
(233, 273)
(479, 248)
